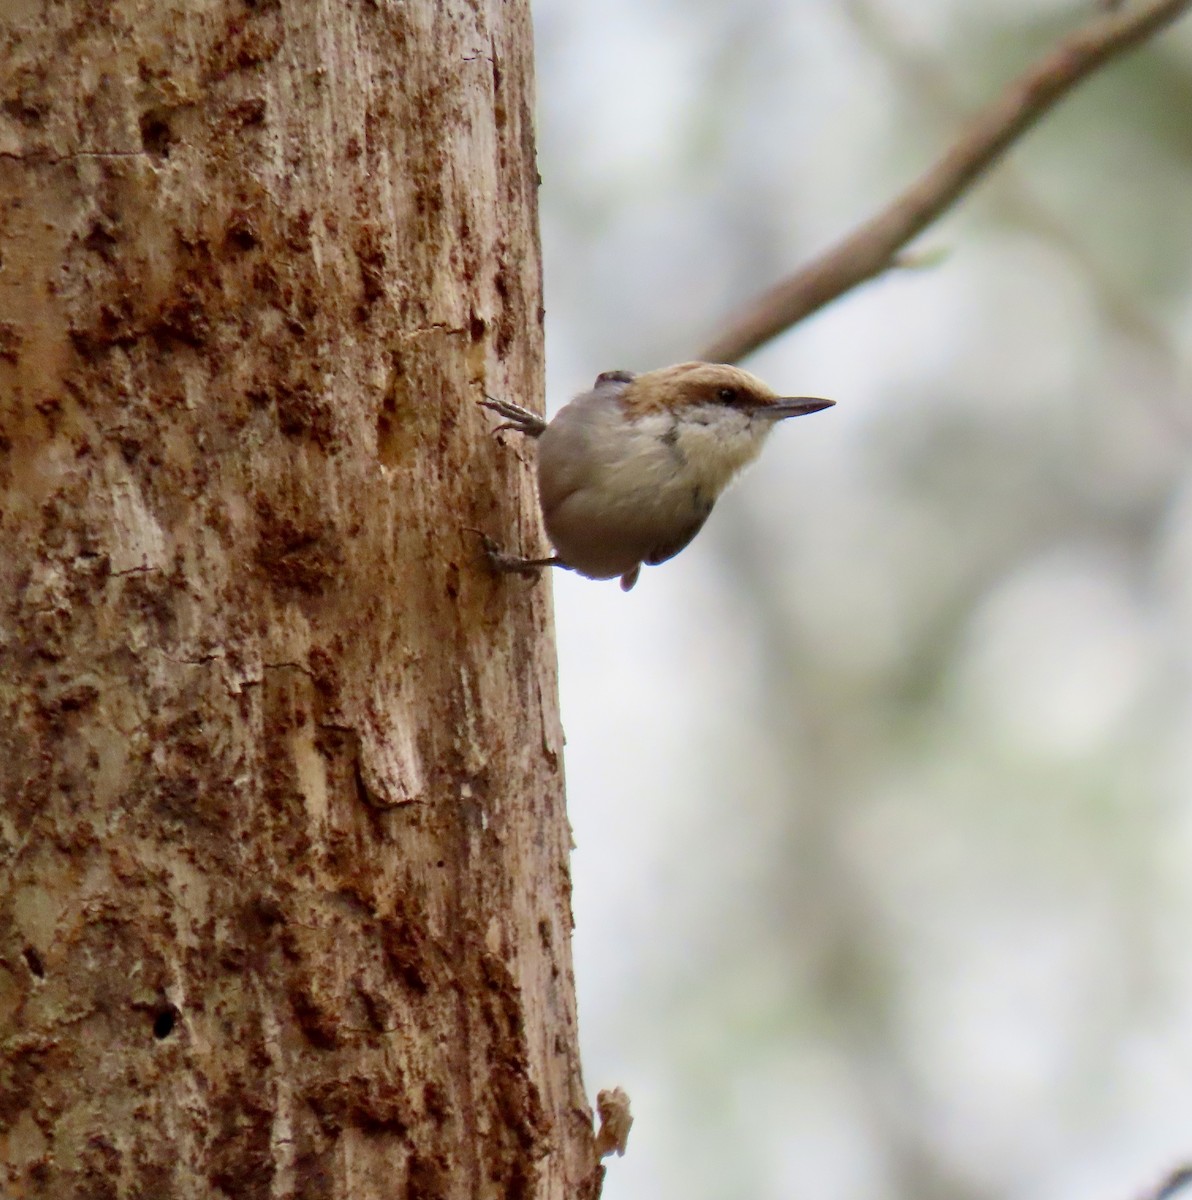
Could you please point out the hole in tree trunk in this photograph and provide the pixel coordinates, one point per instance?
(163, 1023)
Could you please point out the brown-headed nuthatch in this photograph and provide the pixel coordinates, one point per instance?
(629, 471)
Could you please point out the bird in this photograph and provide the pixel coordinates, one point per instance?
(629, 471)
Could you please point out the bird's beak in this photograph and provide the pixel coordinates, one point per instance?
(793, 406)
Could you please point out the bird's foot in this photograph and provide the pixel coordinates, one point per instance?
(519, 419)
(513, 564)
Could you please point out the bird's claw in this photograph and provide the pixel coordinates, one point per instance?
(504, 563)
(519, 419)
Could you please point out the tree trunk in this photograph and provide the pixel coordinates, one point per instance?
(285, 898)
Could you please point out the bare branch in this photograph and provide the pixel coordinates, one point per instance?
(928, 79)
(1176, 1180)
(874, 246)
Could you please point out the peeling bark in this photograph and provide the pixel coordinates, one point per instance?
(284, 909)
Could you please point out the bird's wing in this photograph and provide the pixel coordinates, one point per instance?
(673, 545)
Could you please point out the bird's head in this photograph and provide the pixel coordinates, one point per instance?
(711, 394)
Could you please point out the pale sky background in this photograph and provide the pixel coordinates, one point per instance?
(882, 790)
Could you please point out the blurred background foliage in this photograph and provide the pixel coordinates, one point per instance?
(882, 791)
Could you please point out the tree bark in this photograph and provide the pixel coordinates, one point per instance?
(285, 898)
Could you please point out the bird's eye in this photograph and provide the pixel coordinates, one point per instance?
(727, 395)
